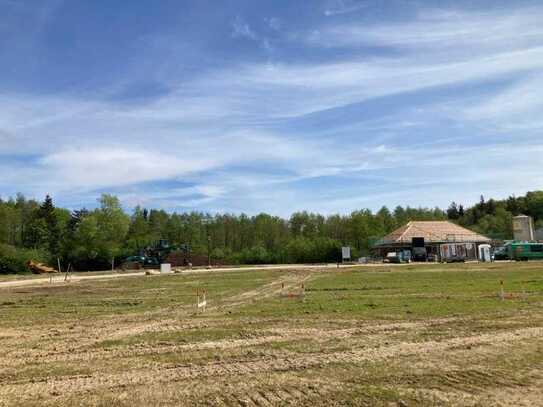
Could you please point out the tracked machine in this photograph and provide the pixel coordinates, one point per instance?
(160, 252)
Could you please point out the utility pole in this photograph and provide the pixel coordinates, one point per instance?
(208, 250)
(208, 237)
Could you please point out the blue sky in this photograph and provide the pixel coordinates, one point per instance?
(274, 106)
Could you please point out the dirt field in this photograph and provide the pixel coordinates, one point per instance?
(411, 335)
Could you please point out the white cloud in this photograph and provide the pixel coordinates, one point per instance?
(518, 105)
(441, 29)
(241, 29)
(115, 166)
(336, 7)
(274, 23)
(217, 131)
(413, 176)
(396, 74)
(91, 146)
(188, 198)
(302, 89)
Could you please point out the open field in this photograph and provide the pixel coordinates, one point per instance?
(408, 335)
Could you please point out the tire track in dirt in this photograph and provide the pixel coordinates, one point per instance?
(367, 332)
(73, 384)
(14, 359)
(290, 281)
(497, 391)
(79, 344)
(113, 329)
(265, 291)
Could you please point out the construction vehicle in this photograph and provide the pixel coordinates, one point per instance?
(419, 254)
(160, 252)
(501, 253)
(39, 268)
(402, 256)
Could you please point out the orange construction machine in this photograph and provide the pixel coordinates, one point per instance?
(39, 268)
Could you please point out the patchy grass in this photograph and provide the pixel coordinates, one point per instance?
(186, 336)
(415, 335)
(410, 293)
(101, 298)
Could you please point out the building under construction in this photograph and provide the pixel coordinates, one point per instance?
(432, 240)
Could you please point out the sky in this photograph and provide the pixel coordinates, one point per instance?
(270, 106)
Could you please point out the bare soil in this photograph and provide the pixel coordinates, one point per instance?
(232, 355)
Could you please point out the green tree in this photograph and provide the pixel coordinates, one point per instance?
(138, 230)
(534, 204)
(100, 235)
(452, 212)
(112, 224)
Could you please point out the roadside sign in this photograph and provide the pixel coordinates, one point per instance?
(346, 253)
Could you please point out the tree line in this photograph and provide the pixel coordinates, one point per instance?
(90, 239)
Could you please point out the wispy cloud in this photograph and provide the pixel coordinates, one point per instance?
(241, 29)
(274, 23)
(317, 129)
(336, 7)
(304, 89)
(516, 107)
(440, 29)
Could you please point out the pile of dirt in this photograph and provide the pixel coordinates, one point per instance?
(131, 265)
(180, 259)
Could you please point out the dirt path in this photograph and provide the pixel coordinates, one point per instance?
(81, 276)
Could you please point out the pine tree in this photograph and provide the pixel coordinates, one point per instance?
(46, 212)
(452, 211)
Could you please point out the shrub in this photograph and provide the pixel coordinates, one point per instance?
(319, 250)
(13, 260)
(254, 255)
